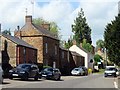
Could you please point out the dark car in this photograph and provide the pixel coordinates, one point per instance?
(84, 69)
(25, 71)
(51, 73)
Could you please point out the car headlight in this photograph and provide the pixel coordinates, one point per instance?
(10, 70)
(22, 71)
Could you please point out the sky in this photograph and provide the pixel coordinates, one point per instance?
(63, 12)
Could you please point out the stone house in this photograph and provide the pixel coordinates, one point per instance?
(43, 40)
(16, 51)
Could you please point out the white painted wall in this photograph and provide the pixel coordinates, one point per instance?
(88, 56)
(81, 52)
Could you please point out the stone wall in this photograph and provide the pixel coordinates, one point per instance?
(8, 51)
(52, 54)
(36, 42)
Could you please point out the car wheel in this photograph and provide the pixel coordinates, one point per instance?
(105, 75)
(56, 77)
(59, 78)
(25, 77)
(36, 77)
(11, 77)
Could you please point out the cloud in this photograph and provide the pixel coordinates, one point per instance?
(97, 12)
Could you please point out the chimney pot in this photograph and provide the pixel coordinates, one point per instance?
(28, 19)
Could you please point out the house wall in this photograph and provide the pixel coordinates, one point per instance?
(79, 60)
(67, 62)
(34, 37)
(26, 55)
(37, 42)
(52, 54)
(90, 56)
(8, 49)
(81, 52)
(29, 34)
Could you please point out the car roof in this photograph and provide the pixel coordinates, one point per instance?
(110, 67)
(26, 64)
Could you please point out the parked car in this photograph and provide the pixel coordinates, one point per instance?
(1, 75)
(25, 71)
(77, 71)
(110, 71)
(118, 72)
(84, 69)
(51, 73)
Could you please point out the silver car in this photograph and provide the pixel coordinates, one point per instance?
(77, 71)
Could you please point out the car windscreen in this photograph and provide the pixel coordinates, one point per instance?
(48, 69)
(76, 69)
(56, 70)
(24, 66)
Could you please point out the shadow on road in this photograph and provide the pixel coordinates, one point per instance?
(29, 80)
(5, 83)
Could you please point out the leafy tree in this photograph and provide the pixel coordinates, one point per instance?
(53, 26)
(97, 58)
(68, 44)
(112, 41)
(100, 44)
(7, 32)
(81, 29)
(86, 46)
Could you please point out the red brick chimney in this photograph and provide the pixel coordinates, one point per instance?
(28, 19)
(46, 26)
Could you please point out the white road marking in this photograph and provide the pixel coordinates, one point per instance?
(115, 84)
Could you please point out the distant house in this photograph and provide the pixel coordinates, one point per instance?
(87, 55)
(16, 51)
(42, 39)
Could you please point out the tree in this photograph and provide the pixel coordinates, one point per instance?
(68, 44)
(86, 46)
(100, 44)
(7, 32)
(112, 41)
(97, 58)
(53, 26)
(81, 29)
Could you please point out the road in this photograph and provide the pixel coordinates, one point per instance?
(90, 81)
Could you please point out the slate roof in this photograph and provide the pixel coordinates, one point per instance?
(17, 41)
(44, 31)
